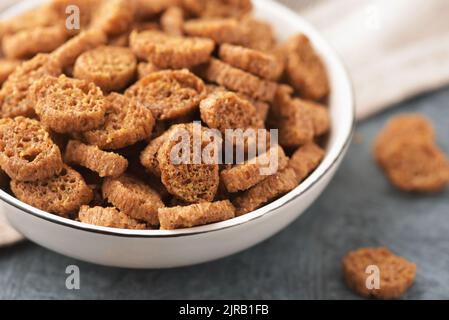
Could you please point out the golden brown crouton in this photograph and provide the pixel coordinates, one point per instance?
(148, 157)
(172, 21)
(168, 94)
(240, 81)
(409, 126)
(27, 43)
(67, 54)
(125, 123)
(195, 214)
(66, 105)
(396, 274)
(27, 152)
(305, 69)
(259, 35)
(62, 194)
(106, 164)
(108, 217)
(14, 99)
(226, 110)
(320, 117)
(146, 68)
(306, 159)
(217, 8)
(261, 64)
(133, 197)
(167, 51)
(7, 66)
(113, 16)
(267, 190)
(219, 30)
(416, 166)
(146, 8)
(246, 175)
(110, 68)
(407, 152)
(292, 118)
(189, 180)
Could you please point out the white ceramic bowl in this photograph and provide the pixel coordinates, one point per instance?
(164, 249)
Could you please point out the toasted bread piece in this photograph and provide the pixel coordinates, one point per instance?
(220, 30)
(189, 180)
(148, 157)
(27, 43)
(306, 159)
(416, 166)
(66, 105)
(42, 16)
(256, 62)
(62, 194)
(195, 214)
(172, 21)
(259, 35)
(86, 10)
(133, 197)
(407, 152)
(265, 191)
(396, 273)
(27, 152)
(106, 164)
(292, 118)
(113, 16)
(7, 66)
(411, 126)
(170, 52)
(262, 108)
(217, 8)
(238, 80)
(108, 217)
(305, 70)
(320, 117)
(226, 110)
(125, 123)
(149, 9)
(246, 175)
(169, 94)
(14, 99)
(110, 68)
(146, 68)
(67, 54)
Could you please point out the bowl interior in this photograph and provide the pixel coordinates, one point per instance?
(286, 23)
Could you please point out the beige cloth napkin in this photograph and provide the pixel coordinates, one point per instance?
(392, 49)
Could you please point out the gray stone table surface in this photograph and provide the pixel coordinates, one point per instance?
(359, 208)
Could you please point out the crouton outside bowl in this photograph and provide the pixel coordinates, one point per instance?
(164, 249)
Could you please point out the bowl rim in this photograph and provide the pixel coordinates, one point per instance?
(264, 211)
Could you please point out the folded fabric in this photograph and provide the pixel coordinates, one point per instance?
(6, 3)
